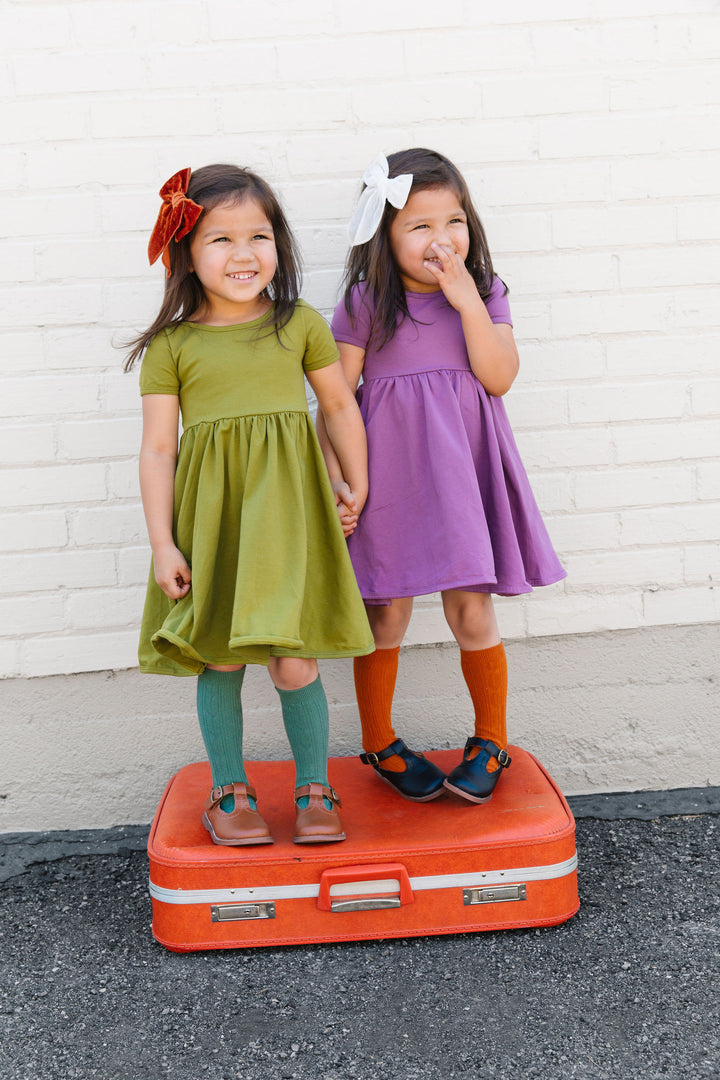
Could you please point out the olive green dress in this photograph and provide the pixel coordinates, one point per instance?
(255, 514)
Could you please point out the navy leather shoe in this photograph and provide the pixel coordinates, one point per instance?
(420, 782)
(470, 779)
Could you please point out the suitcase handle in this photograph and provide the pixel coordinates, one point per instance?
(387, 877)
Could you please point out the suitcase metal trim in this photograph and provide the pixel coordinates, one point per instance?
(296, 892)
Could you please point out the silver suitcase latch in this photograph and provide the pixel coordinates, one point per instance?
(494, 894)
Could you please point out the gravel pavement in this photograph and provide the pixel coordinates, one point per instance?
(627, 988)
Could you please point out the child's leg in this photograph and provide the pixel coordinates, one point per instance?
(375, 677)
(221, 723)
(411, 774)
(230, 817)
(485, 672)
(471, 617)
(305, 715)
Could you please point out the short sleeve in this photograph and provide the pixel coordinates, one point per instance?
(320, 347)
(354, 328)
(159, 373)
(497, 304)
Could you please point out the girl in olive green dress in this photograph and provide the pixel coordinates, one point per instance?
(249, 559)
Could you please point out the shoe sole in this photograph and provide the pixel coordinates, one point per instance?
(318, 839)
(410, 798)
(234, 843)
(465, 795)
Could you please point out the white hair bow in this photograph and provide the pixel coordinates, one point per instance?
(379, 189)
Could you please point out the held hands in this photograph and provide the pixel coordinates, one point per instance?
(172, 572)
(347, 504)
(453, 277)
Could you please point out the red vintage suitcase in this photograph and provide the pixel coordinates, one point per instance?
(406, 869)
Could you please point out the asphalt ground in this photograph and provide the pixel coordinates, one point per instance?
(628, 988)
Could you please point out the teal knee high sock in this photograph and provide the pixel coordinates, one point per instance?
(305, 715)
(221, 723)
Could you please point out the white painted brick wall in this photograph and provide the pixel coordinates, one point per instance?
(589, 136)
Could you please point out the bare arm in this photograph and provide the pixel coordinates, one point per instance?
(491, 349)
(342, 435)
(158, 459)
(352, 360)
(491, 346)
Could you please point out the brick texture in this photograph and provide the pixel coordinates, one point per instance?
(586, 134)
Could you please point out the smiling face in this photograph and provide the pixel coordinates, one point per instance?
(232, 252)
(433, 215)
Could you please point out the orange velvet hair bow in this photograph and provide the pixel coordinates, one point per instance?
(177, 216)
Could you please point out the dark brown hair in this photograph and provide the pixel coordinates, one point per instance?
(374, 263)
(209, 187)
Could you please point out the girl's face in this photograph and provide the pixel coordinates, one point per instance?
(232, 252)
(430, 216)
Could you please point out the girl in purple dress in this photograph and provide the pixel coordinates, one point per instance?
(426, 324)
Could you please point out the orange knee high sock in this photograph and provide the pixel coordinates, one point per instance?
(375, 677)
(485, 672)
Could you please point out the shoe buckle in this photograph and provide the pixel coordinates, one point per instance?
(216, 794)
(372, 759)
(334, 796)
(504, 759)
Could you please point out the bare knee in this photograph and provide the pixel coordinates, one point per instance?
(471, 617)
(292, 672)
(389, 622)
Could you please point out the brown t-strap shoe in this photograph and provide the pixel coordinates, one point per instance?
(315, 824)
(240, 826)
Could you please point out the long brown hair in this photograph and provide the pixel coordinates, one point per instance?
(374, 263)
(209, 187)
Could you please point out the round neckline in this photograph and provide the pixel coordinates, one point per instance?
(230, 326)
(425, 295)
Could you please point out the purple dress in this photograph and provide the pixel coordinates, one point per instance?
(449, 505)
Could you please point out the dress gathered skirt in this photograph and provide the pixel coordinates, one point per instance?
(451, 506)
